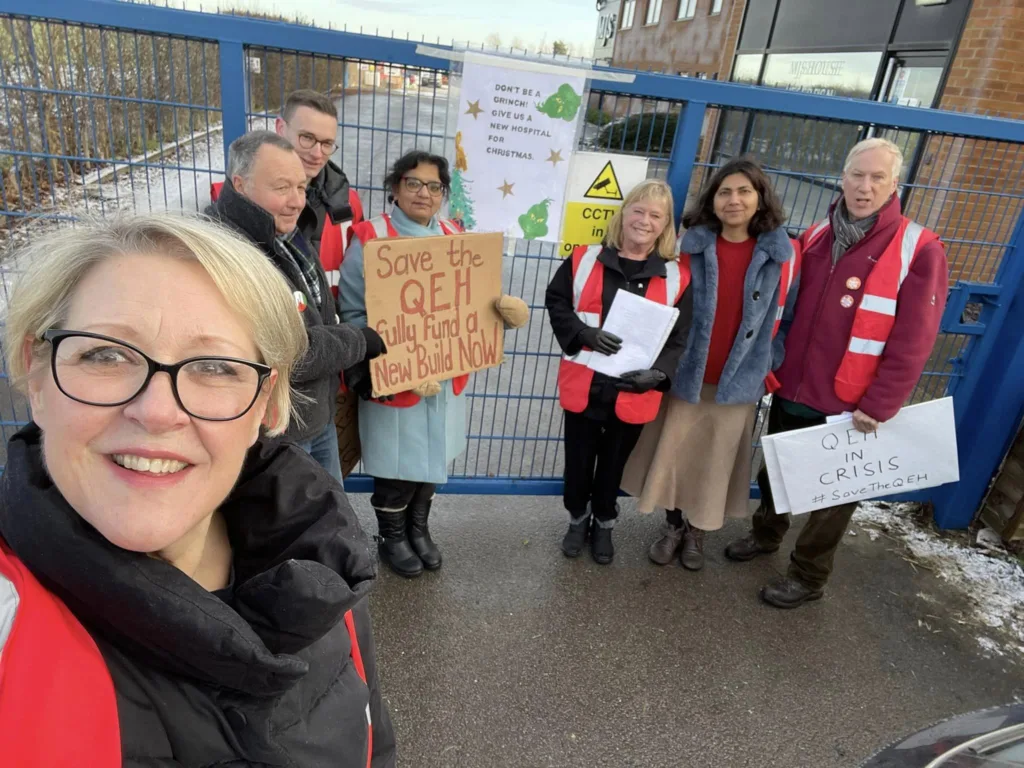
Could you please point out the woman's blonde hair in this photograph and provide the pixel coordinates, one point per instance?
(252, 287)
(652, 189)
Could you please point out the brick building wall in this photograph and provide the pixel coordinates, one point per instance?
(987, 76)
(704, 44)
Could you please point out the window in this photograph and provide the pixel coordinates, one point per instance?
(702, 76)
(653, 12)
(628, 12)
(716, 6)
(687, 9)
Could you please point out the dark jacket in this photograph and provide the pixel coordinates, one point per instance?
(333, 346)
(259, 677)
(754, 352)
(819, 335)
(567, 326)
(328, 193)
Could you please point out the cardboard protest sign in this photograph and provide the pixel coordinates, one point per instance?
(432, 301)
(346, 423)
(835, 464)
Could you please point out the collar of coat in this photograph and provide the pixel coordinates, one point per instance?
(330, 188)
(300, 562)
(241, 213)
(653, 267)
(776, 243)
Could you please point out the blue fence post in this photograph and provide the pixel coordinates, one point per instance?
(233, 97)
(684, 152)
(989, 401)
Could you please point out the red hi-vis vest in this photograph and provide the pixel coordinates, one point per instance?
(574, 377)
(790, 269)
(333, 240)
(57, 700)
(380, 228)
(876, 314)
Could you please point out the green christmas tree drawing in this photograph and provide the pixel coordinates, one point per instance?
(534, 222)
(563, 103)
(461, 204)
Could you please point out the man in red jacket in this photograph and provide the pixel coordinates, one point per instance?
(871, 294)
(309, 120)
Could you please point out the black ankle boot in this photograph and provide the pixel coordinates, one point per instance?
(393, 544)
(601, 549)
(419, 534)
(576, 536)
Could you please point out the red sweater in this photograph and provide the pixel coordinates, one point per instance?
(820, 332)
(733, 263)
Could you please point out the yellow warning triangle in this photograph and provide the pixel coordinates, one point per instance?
(606, 185)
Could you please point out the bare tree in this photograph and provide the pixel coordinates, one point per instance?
(493, 40)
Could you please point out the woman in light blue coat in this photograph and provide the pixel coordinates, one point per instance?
(410, 440)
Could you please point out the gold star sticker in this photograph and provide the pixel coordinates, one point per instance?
(506, 189)
(474, 108)
(556, 158)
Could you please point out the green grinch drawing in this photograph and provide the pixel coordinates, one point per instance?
(563, 103)
(534, 222)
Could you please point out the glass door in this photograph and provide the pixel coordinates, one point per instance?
(911, 80)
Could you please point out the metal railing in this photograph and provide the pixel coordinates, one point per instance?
(111, 106)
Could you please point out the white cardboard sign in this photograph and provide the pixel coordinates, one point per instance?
(834, 464)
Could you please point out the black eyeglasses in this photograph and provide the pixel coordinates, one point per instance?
(308, 141)
(414, 185)
(99, 370)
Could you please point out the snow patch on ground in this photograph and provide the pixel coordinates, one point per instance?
(992, 583)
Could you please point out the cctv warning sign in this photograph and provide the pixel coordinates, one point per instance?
(598, 183)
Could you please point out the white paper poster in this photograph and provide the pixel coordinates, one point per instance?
(835, 464)
(514, 138)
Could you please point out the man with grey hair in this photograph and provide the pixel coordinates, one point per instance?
(871, 292)
(262, 198)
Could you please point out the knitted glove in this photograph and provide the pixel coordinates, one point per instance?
(513, 311)
(427, 389)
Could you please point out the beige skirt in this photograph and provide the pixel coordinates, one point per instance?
(695, 458)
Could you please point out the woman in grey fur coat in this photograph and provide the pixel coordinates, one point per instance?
(694, 459)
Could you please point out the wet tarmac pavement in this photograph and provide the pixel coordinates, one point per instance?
(513, 655)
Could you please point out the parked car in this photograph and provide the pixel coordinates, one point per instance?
(988, 738)
(646, 133)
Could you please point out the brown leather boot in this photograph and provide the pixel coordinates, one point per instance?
(664, 549)
(692, 554)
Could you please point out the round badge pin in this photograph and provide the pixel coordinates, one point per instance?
(847, 301)
(853, 283)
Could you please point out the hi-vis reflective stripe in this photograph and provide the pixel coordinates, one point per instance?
(816, 231)
(380, 227)
(369, 720)
(866, 346)
(908, 247)
(584, 271)
(779, 311)
(879, 304)
(672, 281)
(593, 320)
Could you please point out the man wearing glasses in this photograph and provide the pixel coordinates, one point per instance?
(309, 120)
(263, 199)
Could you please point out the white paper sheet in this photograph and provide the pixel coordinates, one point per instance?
(835, 464)
(771, 463)
(644, 327)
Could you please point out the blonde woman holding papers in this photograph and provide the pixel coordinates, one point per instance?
(604, 414)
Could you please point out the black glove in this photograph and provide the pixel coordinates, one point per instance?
(375, 346)
(358, 380)
(639, 382)
(600, 341)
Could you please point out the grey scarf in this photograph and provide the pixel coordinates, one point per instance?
(847, 232)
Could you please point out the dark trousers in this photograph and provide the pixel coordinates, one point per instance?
(595, 456)
(812, 558)
(396, 495)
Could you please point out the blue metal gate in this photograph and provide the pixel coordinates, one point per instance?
(113, 106)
